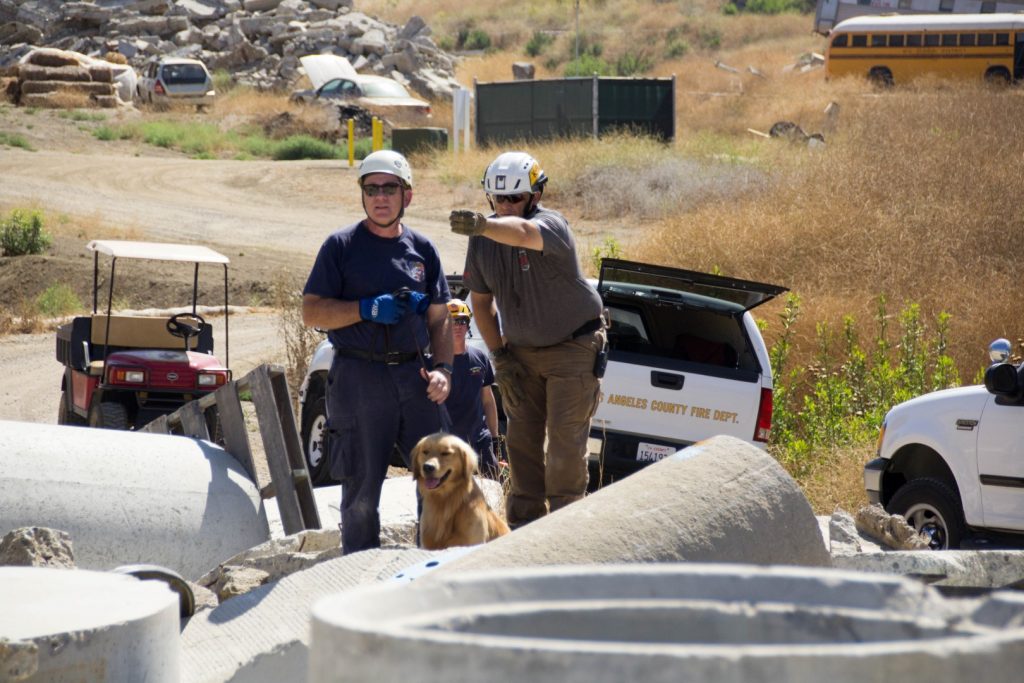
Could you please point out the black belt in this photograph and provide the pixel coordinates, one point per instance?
(588, 327)
(388, 357)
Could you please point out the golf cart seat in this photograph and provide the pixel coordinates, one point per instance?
(80, 344)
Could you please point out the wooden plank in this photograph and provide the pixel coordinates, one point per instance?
(293, 446)
(276, 450)
(193, 422)
(157, 426)
(232, 425)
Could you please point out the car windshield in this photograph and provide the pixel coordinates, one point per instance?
(183, 74)
(384, 89)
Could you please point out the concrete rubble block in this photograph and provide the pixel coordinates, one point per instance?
(48, 56)
(15, 32)
(85, 14)
(88, 88)
(413, 28)
(332, 5)
(153, 26)
(679, 623)
(523, 71)
(59, 625)
(720, 500)
(37, 547)
(264, 635)
(188, 36)
(892, 531)
(129, 497)
(152, 7)
(31, 72)
(953, 569)
(260, 5)
(201, 11)
(371, 42)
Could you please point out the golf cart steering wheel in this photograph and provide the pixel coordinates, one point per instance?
(185, 325)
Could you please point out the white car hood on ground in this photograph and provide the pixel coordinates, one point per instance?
(322, 68)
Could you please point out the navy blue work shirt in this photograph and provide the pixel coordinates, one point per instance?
(353, 263)
(472, 372)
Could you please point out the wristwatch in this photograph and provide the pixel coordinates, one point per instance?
(447, 367)
(499, 352)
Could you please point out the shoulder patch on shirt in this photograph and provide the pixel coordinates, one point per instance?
(418, 271)
(476, 370)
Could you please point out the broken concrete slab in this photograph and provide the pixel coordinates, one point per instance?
(129, 497)
(264, 635)
(37, 547)
(952, 569)
(721, 500)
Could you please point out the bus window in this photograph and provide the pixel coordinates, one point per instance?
(931, 39)
(988, 7)
(896, 40)
(1002, 39)
(984, 39)
(860, 41)
(839, 41)
(945, 5)
(913, 40)
(948, 40)
(877, 41)
(967, 39)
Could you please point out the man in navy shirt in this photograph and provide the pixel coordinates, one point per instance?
(471, 402)
(379, 290)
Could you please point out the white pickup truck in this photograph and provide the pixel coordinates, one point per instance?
(686, 362)
(952, 461)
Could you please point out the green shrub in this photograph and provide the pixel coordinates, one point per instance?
(587, 65)
(538, 43)
(843, 395)
(223, 81)
(609, 249)
(772, 6)
(632, 63)
(475, 39)
(730, 9)
(79, 115)
(15, 140)
(22, 233)
(676, 48)
(105, 133)
(304, 147)
(710, 38)
(58, 300)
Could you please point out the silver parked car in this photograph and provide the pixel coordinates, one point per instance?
(177, 80)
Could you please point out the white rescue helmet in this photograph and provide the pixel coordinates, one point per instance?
(514, 173)
(386, 161)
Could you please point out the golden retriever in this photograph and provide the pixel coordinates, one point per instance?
(454, 509)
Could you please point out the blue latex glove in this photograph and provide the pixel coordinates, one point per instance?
(385, 309)
(420, 302)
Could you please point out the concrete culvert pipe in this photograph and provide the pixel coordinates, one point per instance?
(129, 497)
(677, 623)
(721, 500)
(62, 625)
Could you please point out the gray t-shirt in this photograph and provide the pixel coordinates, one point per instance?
(542, 296)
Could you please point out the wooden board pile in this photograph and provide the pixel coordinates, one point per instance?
(59, 79)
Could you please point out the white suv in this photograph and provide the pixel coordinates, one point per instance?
(952, 461)
(686, 362)
(176, 80)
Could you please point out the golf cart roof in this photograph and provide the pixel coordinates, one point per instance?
(157, 251)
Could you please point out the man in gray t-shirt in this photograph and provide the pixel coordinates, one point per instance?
(522, 269)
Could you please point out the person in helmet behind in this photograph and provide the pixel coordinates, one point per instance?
(379, 289)
(471, 402)
(522, 269)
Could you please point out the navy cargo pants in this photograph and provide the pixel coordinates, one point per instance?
(371, 408)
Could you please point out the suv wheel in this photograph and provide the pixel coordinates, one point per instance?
(108, 415)
(314, 434)
(933, 509)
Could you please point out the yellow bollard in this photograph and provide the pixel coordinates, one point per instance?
(378, 134)
(351, 143)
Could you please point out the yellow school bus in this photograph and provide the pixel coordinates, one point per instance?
(896, 49)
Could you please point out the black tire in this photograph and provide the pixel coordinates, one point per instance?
(934, 509)
(314, 435)
(65, 414)
(998, 77)
(108, 415)
(880, 77)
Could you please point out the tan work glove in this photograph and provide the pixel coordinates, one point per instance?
(509, 374)
(466, 222)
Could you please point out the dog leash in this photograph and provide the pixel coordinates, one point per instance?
(442, 409)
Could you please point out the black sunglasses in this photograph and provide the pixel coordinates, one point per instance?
(510, 198)
(461, 321)
(387, 189)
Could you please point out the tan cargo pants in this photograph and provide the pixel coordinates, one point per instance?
(560, 397)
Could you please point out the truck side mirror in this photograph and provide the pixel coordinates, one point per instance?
(1002, 379)
(999, 350)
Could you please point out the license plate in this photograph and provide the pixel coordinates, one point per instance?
(652, 452)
